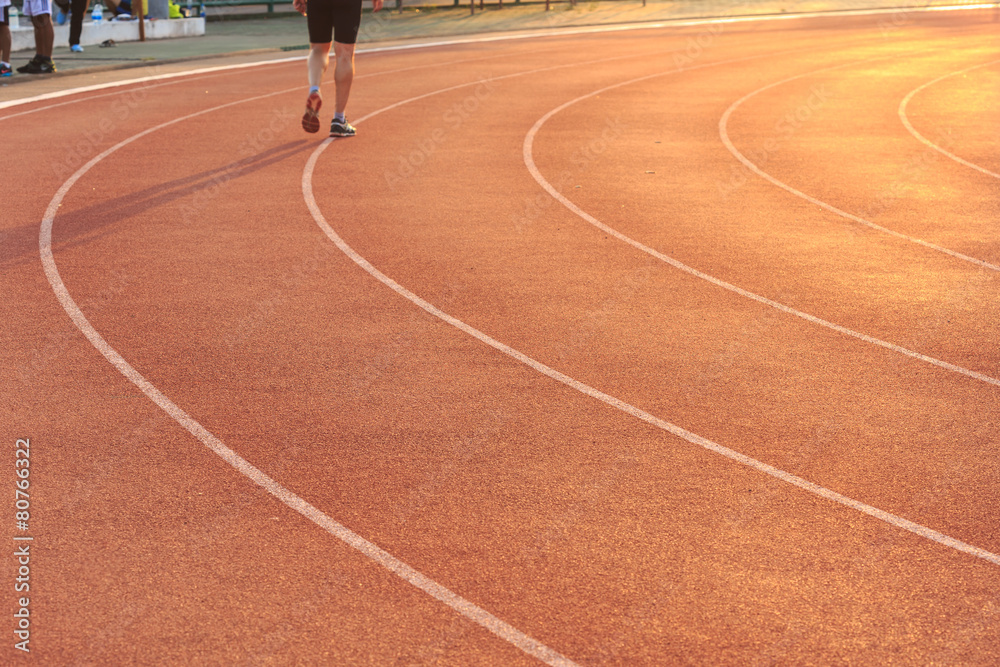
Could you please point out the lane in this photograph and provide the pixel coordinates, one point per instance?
(930, 306)
(498, 309)
(981, 102)
(528, 149)
(520, 303)
(146, 150)
(210, 530)
(790, 124)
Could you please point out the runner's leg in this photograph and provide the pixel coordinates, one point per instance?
(343, 73)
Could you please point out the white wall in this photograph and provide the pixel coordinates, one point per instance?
(23, 38)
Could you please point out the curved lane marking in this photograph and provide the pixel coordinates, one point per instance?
(724, 135)
(529, 162)
(922, 139)
(464, 607)
(811, 487)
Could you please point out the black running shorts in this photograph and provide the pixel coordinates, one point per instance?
(339, 19)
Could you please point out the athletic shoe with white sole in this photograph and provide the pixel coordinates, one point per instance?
(342, 129)
(76, 48)
(310, 120)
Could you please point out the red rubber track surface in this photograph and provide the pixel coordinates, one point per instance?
(193, 252)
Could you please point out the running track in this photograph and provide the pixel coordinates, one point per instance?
(648, 347)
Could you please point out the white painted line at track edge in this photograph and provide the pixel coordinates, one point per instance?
(529, 161)
(143, 79)
(922, 139)
(678, 23)
(619, 404)
(724, 135)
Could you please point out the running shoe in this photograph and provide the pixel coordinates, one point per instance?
(342, 129)
(5, 70)
(37, 66)
(310, 120)
(76, 48)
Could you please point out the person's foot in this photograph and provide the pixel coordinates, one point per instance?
(76, 48)
(310, 120)
(38, 66)
(5, 70)
(341, 128)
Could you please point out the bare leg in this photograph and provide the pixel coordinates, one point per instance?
(319, 60)
(344, 73)
(5, 43)
(45, 35)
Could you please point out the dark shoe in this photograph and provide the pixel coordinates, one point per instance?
(37, 66)
(5, 70)
(310, 120)
(342, 129)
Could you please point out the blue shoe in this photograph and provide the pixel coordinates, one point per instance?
(61, 17)
(5, 70)
(76, 48)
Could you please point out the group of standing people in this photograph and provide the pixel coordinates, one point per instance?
(40, 13)
(331, 23)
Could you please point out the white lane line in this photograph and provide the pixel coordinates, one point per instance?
(680, 23)
(56, 105)
(142, 79)
(922, 139)
(464, 607)
(724, 135)
(220, 71)
(529, 161)
(616, 403)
